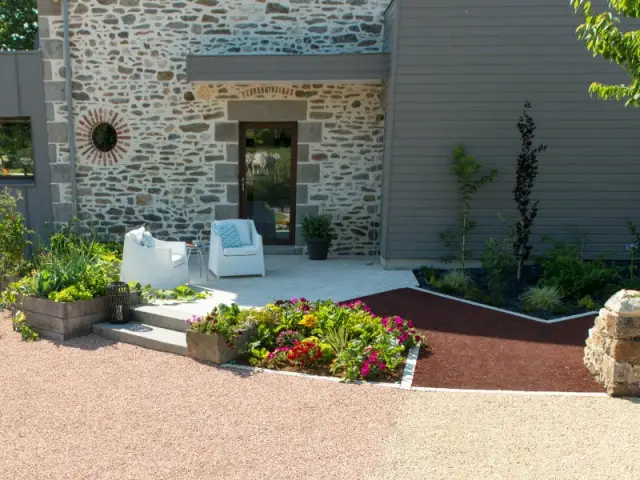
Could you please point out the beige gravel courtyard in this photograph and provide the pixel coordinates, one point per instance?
(92, 409)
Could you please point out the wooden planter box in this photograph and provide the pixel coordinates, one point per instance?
(62, 321)
(214, 348)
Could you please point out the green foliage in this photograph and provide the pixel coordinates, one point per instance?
(456, 281)
(603, 36)
(526, 173)
(317, 226)
(499, 263)
(564, 268)
(14, 235)
(588, 303)
(633, 248)
(542, 299)
(470, 180)
(226, 321)
(18, 24)
(71, 294)
(16, 150)
(347, 339)
(182, 293)
(26, 332)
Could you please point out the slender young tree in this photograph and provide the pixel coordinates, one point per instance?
(18, 24)
(603, 36)
(526, 173)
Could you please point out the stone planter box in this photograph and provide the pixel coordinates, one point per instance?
(62, 321)
(214, 348)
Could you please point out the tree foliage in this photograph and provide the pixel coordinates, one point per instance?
(467, 170)
(526, 172)
(603, 35)
(18, 24)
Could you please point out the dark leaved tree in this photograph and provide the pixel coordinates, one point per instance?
(526, 173)
(18, 24)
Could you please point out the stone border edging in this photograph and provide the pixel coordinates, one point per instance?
(508, 312)
(404, 384)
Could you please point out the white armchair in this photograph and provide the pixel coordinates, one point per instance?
(245, 260)
(162, 266)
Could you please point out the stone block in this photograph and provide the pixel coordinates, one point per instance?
(626, 351)
(302, 194)
(58, 132)
(215, 348)
(625, 303)
(43, 27)
(303, 153)
(232, 153)
(309, 173)
(233, 193)
(49, 7)
(52, 49)
(226, 173)
(60, 173)
(226, 212)
(53, 153)
(310, 132)
(226, 132)
(267, 110)
(62, 212)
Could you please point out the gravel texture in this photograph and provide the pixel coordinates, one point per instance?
(92, 409)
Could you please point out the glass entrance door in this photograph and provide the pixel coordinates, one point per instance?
(268, 179)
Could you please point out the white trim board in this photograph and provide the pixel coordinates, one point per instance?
(502, 310)
(509, 392)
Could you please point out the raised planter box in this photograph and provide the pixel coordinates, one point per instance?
(62, 321)
(214, 348)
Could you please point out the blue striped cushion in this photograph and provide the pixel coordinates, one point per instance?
(229, 235)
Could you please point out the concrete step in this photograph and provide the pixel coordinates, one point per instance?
(160, 317)
(143, 335)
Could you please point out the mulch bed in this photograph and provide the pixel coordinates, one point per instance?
(477, 348)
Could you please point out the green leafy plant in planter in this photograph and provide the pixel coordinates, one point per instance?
(182, 293)
(456, 281)
(26, 332)
(318, 233)
(220, 335)
(499, 263)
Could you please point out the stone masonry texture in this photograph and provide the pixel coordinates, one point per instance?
(612, 352)
(129, 57)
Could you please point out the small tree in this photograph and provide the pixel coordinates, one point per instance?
(466, 169)
(18, 24)
(526, 173)
(602, 36)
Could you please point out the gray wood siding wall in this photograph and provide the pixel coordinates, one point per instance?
(22, 95)
(461, 71)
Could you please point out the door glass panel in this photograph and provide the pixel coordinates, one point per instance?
(268, 186)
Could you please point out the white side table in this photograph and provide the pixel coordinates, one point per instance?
(198, 248)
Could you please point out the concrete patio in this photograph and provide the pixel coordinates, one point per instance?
(290, 276)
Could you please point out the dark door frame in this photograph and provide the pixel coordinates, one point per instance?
(242, 169)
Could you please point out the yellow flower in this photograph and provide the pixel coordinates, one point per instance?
(309, 321)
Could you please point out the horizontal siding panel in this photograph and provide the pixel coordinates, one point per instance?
(464, 69)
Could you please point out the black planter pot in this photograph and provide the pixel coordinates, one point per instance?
(318, 248)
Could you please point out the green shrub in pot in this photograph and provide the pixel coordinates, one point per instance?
(317, 231)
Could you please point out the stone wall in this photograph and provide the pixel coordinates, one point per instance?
(175, 167)
(612, 354)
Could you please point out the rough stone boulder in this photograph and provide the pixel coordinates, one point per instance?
(612, 354)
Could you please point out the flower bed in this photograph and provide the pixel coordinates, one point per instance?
(323, 337)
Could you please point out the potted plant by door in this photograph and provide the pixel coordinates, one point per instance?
(318, 233)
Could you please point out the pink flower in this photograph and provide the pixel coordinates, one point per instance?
(410, 324)
(418, 339)
(303, 300)
(365, 370)
(385, 322)
(294, 300)
(382, 365)
(403, 338)
(398, 321)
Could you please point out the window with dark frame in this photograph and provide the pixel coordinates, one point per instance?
(16, 149)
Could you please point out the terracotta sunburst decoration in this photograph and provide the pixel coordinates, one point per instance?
(103, 136)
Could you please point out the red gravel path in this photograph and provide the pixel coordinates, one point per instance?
(477, 348)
